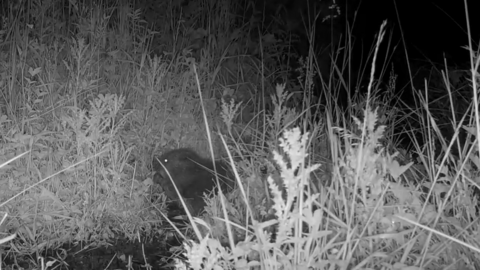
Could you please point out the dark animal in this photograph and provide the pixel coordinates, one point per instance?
(192, 174)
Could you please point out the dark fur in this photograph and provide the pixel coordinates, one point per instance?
(192, 174)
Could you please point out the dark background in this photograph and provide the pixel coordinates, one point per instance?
(430, 28)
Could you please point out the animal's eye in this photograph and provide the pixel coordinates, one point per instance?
(165, 161)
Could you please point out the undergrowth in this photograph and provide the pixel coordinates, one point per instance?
(320, 185)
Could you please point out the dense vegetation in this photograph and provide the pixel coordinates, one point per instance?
(334, 169)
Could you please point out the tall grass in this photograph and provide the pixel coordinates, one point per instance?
(320, 186)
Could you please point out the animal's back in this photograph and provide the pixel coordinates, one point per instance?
(191, 173)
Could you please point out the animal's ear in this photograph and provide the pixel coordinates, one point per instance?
(184, 158)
